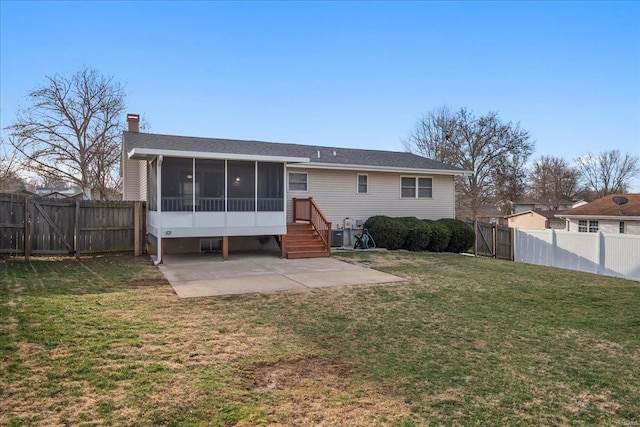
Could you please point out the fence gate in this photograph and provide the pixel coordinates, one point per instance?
(494, 240)
(51, 227)
(39, 226)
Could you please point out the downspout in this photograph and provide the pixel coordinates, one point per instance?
(159, 202)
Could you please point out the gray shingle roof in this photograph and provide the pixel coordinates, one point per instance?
(343, 156)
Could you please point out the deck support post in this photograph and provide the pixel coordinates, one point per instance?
(225, 248)
(283, 246)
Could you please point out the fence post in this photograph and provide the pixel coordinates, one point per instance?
(494, 231)
(76, 230)
(136, 228)
(554, 248)
(599, 253)
(512, 235)
(475, 244)
(27, 228)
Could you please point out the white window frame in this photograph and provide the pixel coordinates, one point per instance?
(588, 225)
(623, 227)
(366, 176)
(416, 187)
(306, 183)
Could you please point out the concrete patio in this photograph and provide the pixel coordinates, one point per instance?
(201, 275)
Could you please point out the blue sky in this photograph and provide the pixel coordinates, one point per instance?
(346, 74)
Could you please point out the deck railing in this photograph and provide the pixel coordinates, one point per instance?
(217, 204)
(307, 210)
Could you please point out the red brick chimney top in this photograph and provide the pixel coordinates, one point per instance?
(133, 122)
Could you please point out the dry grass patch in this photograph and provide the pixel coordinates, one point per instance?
(468, 341)
(319, 390)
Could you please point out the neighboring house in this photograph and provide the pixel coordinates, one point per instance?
(207, 192)
(606, 215)
(491, 214)
(58, 192)
(524, 205)
(537, 219)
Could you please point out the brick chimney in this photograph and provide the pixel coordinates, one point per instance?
(133, 122)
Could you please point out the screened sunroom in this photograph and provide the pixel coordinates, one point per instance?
(214, 195)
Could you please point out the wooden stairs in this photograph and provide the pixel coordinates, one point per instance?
(303, 241)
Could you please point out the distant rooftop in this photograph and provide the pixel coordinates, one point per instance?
(606, 207)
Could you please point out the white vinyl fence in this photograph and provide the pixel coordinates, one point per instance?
(609, 254)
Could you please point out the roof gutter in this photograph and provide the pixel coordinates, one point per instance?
(150, 153)
(350, 167)
(597, 217)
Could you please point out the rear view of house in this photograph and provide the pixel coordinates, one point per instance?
(208, 192)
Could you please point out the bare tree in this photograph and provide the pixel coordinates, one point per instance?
(608, 172)
(552, 180)
(71, 130)
(482, 145)
(10, 180)
(511, 183)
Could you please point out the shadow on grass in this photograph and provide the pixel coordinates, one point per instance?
(67, 276)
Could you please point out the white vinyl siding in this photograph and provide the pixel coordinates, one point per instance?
(332, 190)
(131, 179)
(611, 226)
(143, 180)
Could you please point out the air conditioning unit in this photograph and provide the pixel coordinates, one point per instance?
(337, 238)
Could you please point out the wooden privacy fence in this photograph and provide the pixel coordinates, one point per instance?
(494, 240)
(40, 226)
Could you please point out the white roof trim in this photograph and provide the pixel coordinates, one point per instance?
(597, 217)
(530, 211)
(335, 166)
(149, 153)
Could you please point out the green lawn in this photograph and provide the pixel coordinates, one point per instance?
(467, 341)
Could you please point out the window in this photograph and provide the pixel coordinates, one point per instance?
(587, 226)
(408, 187)
(415, 187)
(363, 184)
(297, 181)
(622, 228)
(424, 187)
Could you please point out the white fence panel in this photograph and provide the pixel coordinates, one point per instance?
(534, 247)
(576, 251)
(622, 255)
(609, 254)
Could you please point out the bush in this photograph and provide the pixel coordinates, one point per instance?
(462, 235)
(387, 232)
(418, 234)
(440, 236)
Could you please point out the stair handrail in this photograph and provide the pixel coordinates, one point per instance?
(315, 217)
